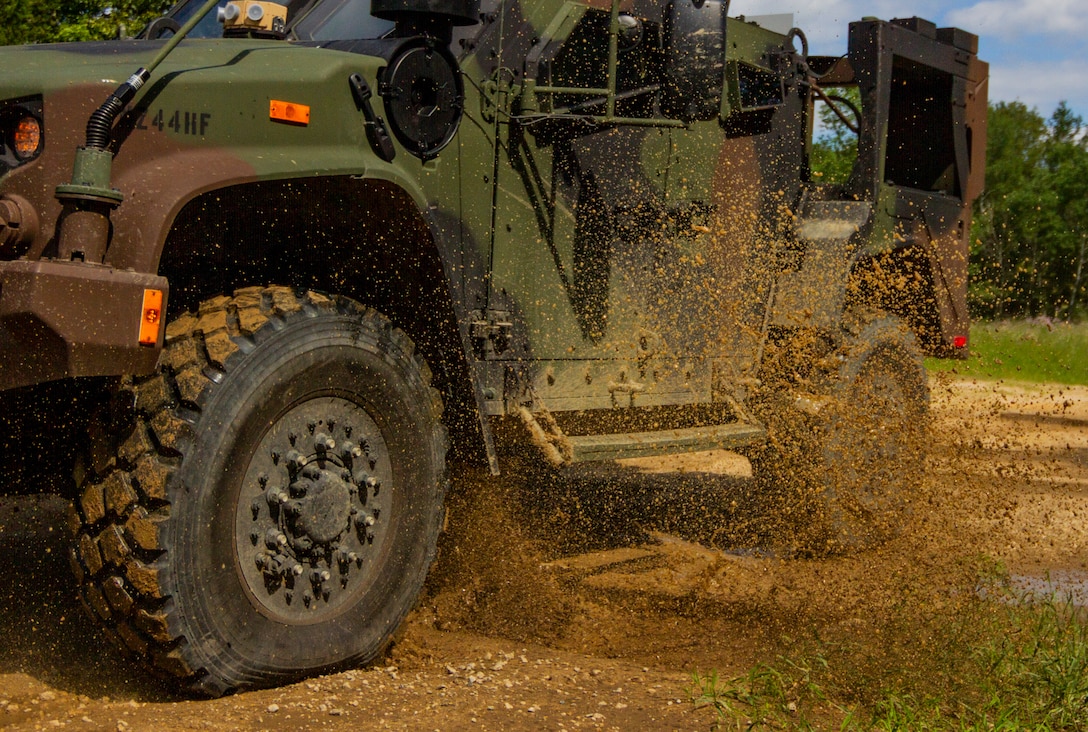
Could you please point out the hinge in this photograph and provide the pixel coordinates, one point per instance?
(492, 336)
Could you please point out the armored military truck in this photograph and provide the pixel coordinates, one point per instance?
(273, 267)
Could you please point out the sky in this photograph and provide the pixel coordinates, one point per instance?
(1035, 48)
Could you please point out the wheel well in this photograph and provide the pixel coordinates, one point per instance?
(364, 239)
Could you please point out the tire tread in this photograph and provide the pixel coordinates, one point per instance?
(122, 519)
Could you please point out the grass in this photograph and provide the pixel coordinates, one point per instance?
(1024, 351)
(1007, 663)
(987, 661)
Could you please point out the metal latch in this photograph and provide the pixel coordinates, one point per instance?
(376, 133)
(497, 333)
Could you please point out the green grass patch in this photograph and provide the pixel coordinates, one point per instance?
(1000, 663)
(1024, 351)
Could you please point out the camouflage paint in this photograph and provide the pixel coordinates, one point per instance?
(592, 264)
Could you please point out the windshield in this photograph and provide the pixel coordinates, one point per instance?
(330, 20)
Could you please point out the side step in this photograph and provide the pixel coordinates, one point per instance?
(591, 448)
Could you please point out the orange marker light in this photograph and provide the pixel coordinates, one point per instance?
(27, 138)
(151, 318)
(298, 114)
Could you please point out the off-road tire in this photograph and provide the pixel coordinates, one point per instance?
(846, 447)
(274, 499)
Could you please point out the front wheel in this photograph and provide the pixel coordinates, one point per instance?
(275, 499)
(847, 450)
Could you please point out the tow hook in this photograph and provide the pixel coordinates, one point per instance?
(18, 223)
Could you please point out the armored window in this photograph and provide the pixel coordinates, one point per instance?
(582, 62)
(921, 149)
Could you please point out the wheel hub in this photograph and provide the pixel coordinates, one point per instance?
(320, 513)
(309, 520)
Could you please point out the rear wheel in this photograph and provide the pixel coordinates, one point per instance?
(846, 449)
(275, 498)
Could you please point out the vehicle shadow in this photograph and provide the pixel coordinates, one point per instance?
(47, 634)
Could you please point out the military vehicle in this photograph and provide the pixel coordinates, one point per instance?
(272, 268)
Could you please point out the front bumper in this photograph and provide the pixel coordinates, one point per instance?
(63, 319)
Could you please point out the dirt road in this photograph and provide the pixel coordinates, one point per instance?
(586, 605)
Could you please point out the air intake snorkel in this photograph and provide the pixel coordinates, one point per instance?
(84, 228)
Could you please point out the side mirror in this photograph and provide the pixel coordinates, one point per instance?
(694, 60)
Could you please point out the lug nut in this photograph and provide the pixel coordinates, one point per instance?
(347, 559)
(254, 537)
(297, 570)
(295, 460)
(275, 539)
(319, 576)
(273, 566)
(323, 443)
(349, 451)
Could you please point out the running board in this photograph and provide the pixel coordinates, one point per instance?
(592, 448)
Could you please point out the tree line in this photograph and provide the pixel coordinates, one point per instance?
(1030, 237)
(48, 21)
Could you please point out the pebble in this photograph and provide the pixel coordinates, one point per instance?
(273, 708)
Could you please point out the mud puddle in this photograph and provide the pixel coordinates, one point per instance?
(1063, 586)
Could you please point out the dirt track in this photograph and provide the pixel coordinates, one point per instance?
(586, 605)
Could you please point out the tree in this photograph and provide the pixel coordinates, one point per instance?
(45, 21)
(836, 146)
(1067, 164)
(1031, 224)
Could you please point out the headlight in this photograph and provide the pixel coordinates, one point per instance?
(21, 132)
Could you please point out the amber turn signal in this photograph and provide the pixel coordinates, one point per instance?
(151, 318)
(27, 138)
(298, 114)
